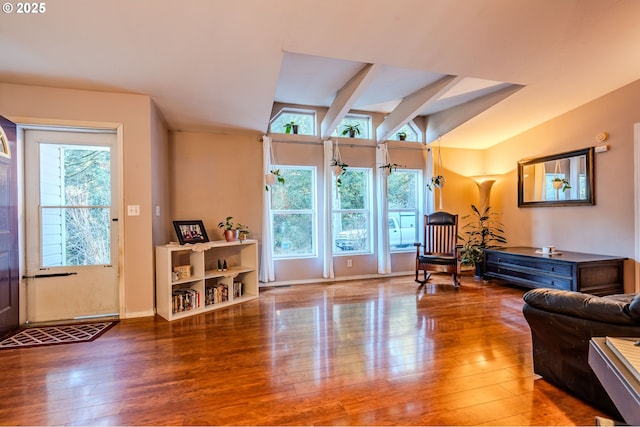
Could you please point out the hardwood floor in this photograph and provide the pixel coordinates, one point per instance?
(371, 352)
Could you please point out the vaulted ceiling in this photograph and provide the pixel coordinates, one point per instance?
(479, 71)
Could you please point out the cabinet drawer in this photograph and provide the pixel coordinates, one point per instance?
(558, 268)
(528, 277)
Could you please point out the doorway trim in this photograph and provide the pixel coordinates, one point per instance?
(24, 123)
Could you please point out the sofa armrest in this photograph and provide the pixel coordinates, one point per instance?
(585, 306)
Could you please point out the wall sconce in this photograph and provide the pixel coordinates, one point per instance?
(484, 182)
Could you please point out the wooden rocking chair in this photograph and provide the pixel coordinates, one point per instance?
(440, 250)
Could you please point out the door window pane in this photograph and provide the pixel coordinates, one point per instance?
(75, 205)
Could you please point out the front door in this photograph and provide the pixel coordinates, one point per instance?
(71, 225)
(9, 256)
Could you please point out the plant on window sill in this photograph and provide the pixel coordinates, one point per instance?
(351, 130)
(402, 136)
(291, 127)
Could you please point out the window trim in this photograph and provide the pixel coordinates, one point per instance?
(418, 209)
(368, 210)
(313, 211)
(299, 111)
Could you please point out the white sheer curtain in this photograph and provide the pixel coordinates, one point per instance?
(430, 198)
(384, 256)
(327, 256)
(539, 182)
(267, 269)
(574, 177)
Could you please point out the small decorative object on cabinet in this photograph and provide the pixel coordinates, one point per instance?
(190, 231)
(207, 287)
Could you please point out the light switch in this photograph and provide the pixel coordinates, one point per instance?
(133, 210)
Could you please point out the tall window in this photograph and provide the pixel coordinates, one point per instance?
(403, 198)
(293, 213)
(352, 212)
(304, 120)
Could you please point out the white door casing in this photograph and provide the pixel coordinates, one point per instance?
(63, 283)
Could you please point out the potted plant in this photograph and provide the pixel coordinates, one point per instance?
(436, 182)
(561, 184)
(402, 136)
(243, 232)
(272, 177)
(291, 127)
(230, 229)
(339, 168)
(482, 232)
(351, 130)
(389, 167)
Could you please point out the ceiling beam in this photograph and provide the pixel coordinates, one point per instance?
(443, 122)
(412, 104)
(346, 97)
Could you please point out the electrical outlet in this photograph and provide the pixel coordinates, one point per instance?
(349, 263)
(133, 210)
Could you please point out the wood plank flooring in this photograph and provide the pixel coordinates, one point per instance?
(370, 352)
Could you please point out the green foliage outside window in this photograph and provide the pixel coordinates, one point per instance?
(293, 215)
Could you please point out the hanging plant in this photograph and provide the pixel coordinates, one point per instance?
(436, 182)
(389, 168)
(338, 167)
(561, 184)
(272, 177)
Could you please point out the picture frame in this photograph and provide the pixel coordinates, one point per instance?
(190, 231)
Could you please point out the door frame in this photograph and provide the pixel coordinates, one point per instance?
(69, 126)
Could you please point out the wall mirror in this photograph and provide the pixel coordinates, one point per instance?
(564, 179)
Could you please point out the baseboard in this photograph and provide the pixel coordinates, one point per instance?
(335, 279)
(132, 315)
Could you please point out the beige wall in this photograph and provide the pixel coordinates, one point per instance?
(209, 176)
(133, 113)
(219, 175)
(606, 228)
(216, 175)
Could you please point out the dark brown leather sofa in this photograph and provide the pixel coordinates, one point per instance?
(562, 323)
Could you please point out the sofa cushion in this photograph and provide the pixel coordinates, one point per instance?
(615, 309)
(634, 308)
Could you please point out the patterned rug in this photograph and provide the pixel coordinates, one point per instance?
(37, 336)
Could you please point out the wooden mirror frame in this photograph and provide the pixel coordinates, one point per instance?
(589, 172)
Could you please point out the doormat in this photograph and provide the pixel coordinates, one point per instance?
(38, 336)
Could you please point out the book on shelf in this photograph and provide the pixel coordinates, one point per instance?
(237, 289)
(628, 352)
(216, 294)
(185, 300)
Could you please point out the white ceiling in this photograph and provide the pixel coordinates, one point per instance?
(221, 64)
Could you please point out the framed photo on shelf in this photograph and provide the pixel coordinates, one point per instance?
(190, 231)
